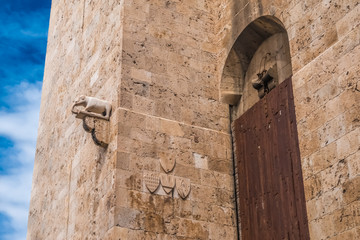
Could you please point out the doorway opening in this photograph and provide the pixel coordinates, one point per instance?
(256, 83)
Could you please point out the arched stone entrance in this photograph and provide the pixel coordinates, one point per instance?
(256, 83)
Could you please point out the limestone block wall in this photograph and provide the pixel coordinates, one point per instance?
(73, 184)
(154, 61)
(324, 47)
(160, 64)
(169, 111)
(326, 83)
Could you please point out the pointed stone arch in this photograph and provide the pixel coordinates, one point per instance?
(264, 34)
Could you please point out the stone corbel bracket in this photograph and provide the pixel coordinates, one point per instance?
(95, 116)
(99, 130)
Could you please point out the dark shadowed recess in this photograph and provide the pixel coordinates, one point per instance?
(253, 36)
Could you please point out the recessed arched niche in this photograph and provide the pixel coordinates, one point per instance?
(261, 48)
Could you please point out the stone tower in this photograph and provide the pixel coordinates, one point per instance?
(177, 75)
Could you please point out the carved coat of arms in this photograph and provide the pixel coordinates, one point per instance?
(167, 182)
(152, 181)
(183, 186)
(167, 164)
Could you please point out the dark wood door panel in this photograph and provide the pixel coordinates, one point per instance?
(271, 192)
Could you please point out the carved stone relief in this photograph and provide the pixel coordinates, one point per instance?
(266, 81)
(167, 164)
(167, 182)
(95, 116)
(183, 187)
(152, 181)
(93, 107)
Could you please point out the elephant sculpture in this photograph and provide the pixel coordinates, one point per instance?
(93, 107)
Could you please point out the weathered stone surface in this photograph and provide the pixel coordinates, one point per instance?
(99, 130)
(351, 190)
(163, 67)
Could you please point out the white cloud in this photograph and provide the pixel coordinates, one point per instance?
(19, 124)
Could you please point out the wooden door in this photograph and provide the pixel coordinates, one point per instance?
(270, 185)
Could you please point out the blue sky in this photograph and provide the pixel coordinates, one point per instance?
(23, 38)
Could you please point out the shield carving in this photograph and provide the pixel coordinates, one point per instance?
(152, 181)
(167, 182)
(183, 187)
(167, 164)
